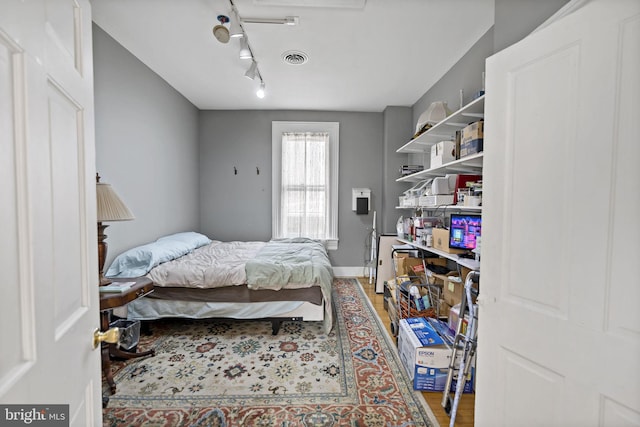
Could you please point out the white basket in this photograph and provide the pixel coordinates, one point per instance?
(437, 200)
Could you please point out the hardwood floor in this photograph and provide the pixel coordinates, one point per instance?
(465, 414)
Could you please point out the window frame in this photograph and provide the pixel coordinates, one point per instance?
(333, 129)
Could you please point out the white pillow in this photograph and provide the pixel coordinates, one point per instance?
(140, 260)
(193, 239)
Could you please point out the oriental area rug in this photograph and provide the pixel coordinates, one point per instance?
(236, 373)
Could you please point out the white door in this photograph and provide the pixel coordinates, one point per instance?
(559, 328)
(48, 249)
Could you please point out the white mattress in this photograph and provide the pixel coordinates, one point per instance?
(150, 309)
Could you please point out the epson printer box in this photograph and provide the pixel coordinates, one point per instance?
(425, 354)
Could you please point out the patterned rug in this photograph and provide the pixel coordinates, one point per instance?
(236, 373)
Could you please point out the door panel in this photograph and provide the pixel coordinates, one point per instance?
(16, 304)
(68, 263)
(47, 173)
(559, 342)
(623, 317)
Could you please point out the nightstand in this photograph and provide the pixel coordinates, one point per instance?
(109, 301)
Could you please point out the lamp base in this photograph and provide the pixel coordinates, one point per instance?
(102, 254)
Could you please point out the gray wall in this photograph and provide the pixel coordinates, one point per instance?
(397, 132)
(173, 165)
(466, 74)
(238, 207)
(514, 20)
(146, 146)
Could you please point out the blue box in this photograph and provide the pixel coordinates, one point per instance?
(426, 355)
(471, 147)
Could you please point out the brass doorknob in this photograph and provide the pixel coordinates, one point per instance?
(112, 335)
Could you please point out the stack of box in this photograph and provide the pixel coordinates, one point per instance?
(472, 139)
(442, 152)
(426, 354)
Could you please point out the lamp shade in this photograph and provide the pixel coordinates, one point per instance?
(436, 112)
(110, 206)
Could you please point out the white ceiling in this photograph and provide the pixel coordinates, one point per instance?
(363, 57)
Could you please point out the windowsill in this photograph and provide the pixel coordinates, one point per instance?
(331, 244)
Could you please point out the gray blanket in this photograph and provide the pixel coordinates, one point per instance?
(293, 261)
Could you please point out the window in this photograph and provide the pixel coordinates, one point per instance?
(305, 180)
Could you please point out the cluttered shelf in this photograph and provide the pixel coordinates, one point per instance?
(471, 264)
(471, 164)
(427, 308)
(443, 129)
(444, 208)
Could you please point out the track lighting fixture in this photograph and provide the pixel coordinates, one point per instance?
(236, 30)
(287, 20)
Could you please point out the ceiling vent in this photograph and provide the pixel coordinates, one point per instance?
(295, 57)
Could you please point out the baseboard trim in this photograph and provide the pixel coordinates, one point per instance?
(351, 271)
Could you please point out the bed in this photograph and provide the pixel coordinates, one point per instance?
(196, 277)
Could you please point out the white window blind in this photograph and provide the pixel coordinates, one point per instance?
(305, 180)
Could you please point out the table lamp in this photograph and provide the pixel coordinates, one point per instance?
(110, 208)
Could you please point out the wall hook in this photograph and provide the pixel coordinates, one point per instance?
(257, 170)
(235, 170)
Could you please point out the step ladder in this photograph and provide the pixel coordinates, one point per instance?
(464, 347)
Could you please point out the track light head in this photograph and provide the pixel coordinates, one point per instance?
(236, 29)
(252, 72)
(245, 52)
(260, 93)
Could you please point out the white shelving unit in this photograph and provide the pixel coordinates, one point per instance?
(444, 129)
(445, 207)
(467, 165)
(471, 264)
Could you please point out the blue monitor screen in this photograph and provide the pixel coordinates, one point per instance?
(464, 231)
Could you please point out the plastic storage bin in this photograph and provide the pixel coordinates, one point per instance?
(129, 332)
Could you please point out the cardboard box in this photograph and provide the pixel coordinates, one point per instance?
(473, 131)
(454, 317)
(432, 263)
(405, 264)
(452, 290)
(425, 355)
(441, 241)
(472, 139)
(471, 147)
(442, 152)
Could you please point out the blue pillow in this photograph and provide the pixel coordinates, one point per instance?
(193, 239)
(140, 260)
